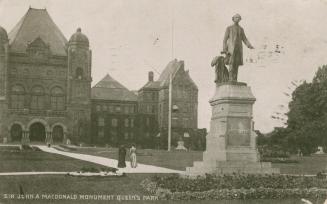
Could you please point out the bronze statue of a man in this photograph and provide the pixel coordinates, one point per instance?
(233, 47)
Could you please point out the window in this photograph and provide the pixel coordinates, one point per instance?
(147, 121)
(114, 122)
(113, 134)
(148, 109)
(132, 122)
(126, 135)
(79, 73)
(57, 99)
(153, 109)
(185, 122)
(117, 109)
(38, 98)
(111, 109)
(147, 135)
(104, 107)
(101, 121)
(175, 122)
(126, 122)
(98, 108)
(131, 135)
(100, 133)
(186, 93)
(17, 97)
(131, 109)
(126, 109)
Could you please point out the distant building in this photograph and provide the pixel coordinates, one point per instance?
(114, 112)
(45, 82)
(153, 100)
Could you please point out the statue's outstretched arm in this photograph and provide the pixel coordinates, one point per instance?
(246, 41)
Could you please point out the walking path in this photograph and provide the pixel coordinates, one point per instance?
(141, 168)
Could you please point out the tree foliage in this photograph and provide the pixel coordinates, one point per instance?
(307, 117)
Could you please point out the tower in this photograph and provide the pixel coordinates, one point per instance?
(3, 79)
(3, 62)
(79, 85)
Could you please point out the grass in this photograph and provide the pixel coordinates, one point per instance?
(177, 160)
(14, 160)
(307, 165)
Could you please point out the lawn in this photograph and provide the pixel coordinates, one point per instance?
(307, 165)
(178, 160)
(14, 160)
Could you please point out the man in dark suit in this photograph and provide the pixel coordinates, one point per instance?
(232, 46)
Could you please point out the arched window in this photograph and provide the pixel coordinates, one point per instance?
(79, 73)
(17, 97)
(57, 99)
(38, 98)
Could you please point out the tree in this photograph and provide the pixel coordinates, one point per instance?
(307, 116)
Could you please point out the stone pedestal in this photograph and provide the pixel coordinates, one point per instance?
(231, 143)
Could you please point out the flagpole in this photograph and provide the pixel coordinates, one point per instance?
(169, 111)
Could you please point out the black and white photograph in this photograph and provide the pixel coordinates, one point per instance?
(163, 101)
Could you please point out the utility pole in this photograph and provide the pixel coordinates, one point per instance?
(169, 111)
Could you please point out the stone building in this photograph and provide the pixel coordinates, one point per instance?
(153, 100)
(46, 95)
(114, 113)
(45, 82)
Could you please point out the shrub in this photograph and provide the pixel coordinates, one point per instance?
(90, 169)
(279, 160)
(109, 169)
(175, 188)
(237, 181)
(26, 147)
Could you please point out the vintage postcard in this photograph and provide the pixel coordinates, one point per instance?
(163, 101)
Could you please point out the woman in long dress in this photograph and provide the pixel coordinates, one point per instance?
(132, 154)
(121, 157)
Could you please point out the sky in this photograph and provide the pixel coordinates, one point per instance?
(129, 38)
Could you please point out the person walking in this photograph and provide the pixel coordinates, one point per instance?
(132, 154)
(121, 157)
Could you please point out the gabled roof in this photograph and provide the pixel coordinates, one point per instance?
(171, 69)
(110, 89)
(37, 23)
(151, 85)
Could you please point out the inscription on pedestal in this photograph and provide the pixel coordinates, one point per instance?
(238, 132)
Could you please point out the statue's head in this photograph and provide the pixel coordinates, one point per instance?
(236, 18)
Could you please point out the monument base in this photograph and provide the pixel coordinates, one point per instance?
(231, 142)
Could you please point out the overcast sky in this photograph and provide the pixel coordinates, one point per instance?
(131, 37)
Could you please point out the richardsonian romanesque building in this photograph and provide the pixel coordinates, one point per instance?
(45, 82)
(46, 94)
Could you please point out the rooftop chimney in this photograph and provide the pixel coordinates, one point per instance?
(151, 76)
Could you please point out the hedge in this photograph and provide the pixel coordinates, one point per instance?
(272, 187)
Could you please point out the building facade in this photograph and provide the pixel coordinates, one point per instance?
(45, 82)
(114, 113)
(46, 94)
(153, 100)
